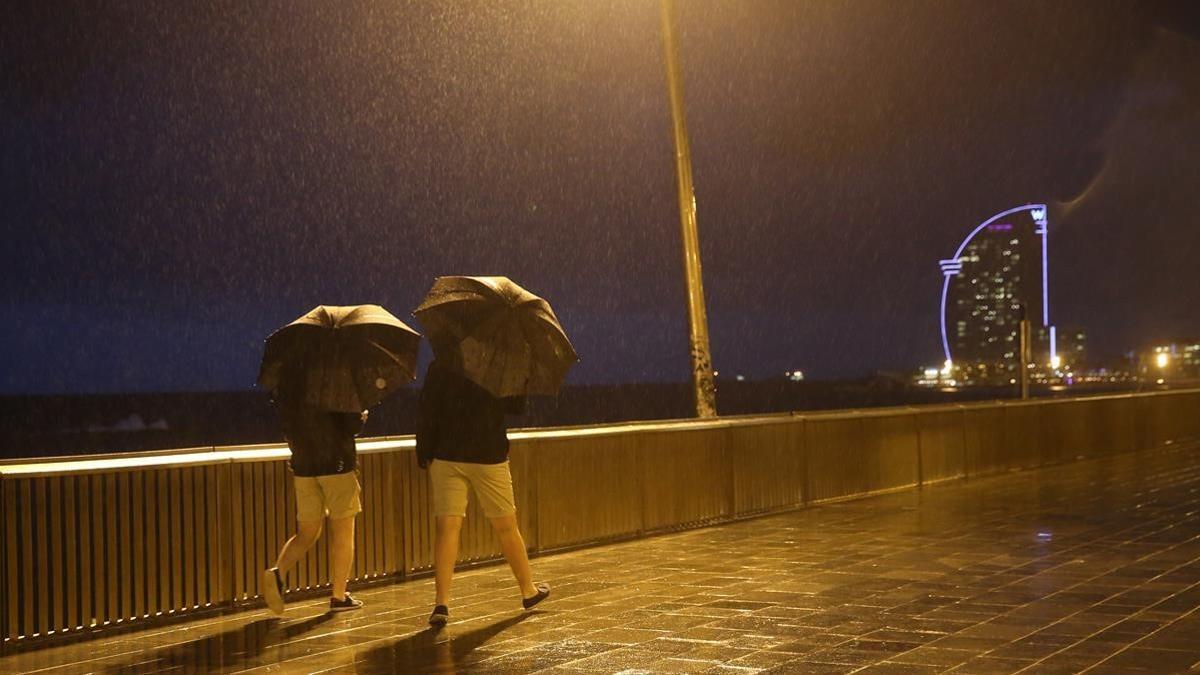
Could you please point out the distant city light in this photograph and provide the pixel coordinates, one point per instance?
(795, 375)
(947, 367)
(740, 378)
(1161, 360)
(1056, 362)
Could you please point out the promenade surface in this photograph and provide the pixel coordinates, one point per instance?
(1092, 565)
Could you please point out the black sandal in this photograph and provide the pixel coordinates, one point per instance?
(542, 594)
(440, 616)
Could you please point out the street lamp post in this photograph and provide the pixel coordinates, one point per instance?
(1026, 356)
(1025, 351)
(702, 370)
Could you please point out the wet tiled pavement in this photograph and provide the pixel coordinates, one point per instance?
(1090, 566)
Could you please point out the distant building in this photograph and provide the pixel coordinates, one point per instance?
(1173, 360)
(997, 270)
(1071, 346)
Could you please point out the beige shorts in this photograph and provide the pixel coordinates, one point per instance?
(492, 484)
(335, 495)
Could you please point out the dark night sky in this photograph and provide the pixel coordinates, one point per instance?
(178, 179)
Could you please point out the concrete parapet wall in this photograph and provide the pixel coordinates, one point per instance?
(91, 543)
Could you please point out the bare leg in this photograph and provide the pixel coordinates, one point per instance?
(294, 549)
(445, 552)
(513, 545)
(341, 554)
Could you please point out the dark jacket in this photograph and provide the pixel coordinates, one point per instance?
(322, 442)
(460, 421)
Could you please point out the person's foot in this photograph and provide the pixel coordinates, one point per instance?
(272, 590)
(347, 603)
(440, 616)
(543, 592)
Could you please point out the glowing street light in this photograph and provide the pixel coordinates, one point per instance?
(1162, 359)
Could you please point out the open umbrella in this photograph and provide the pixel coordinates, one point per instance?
(504, 338)
(345, 358)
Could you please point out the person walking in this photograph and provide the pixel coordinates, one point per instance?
(462, 440)
(324, 468)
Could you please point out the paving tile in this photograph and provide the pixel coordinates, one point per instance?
(1151, 660)
(933, 656)
(763, 659)
(987, 665)
(674, 665)
(803, 646)
(974, 643)
(707, 652)
(623, 636)
(892, 668)
(710, 634)
(730, 669)
(809, 667)
(738, 604)
(897, 635)
(613, 660)
(848, 656)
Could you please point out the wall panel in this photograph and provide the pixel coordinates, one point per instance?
(942, 445)
(767, 463)
(588, 489)
(835, 462)
(685, 476)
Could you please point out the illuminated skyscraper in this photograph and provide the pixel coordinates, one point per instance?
(998, 269)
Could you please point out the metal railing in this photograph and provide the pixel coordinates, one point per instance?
(95, 543)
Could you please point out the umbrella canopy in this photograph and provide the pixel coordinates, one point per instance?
(504, 338)
(344, 358)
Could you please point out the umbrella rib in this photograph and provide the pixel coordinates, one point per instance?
(492, 359)
(530, 344)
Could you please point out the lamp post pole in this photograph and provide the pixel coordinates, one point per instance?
(1026, 356)
(702, 370)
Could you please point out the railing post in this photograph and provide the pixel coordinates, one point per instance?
(966, 451)
(920, 450)
(727, 459)
(1025, 358)
(805, 480)
(225, 544)
(639, 459)
(7, 538)
(395, 485)
(531, 477)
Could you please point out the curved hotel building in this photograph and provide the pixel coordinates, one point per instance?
(1000, 268)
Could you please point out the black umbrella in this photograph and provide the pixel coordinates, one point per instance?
(345, 358)
(504, 338)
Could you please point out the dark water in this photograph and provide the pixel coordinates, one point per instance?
(44, 426)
